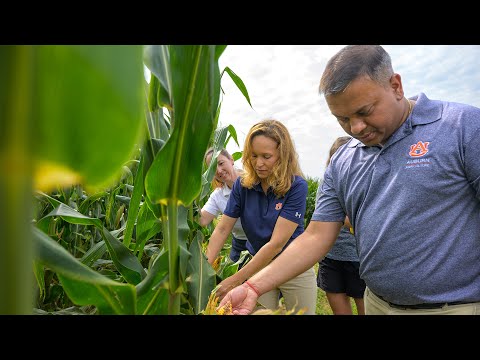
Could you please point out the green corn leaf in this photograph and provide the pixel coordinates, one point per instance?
(147, 226)
(83, 285)
(239, 82)
(84, 94)
(176, 170)
(73, 217)
(219, 49)
(126, 263)
(200, 276)
(237, 155)
(183, 234)
(157, 60)
(124, 260)
(153, 292)
(135, 201)
(39, 271)
(152, 94)
(94, 253)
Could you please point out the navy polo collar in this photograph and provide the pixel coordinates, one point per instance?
(258, 187)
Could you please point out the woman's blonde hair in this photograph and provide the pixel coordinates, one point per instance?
(287, 165)
(224, 152)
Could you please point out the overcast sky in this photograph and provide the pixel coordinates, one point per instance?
(282, 81)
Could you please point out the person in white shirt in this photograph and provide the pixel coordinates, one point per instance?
(225, 176)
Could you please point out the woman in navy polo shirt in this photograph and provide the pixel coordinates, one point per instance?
(270, 199)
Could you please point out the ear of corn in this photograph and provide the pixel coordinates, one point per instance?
(216, 263)
(213, 309)
(212, 306)
(225, 309)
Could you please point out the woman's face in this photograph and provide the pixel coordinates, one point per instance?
(225, 170)
(264, 155)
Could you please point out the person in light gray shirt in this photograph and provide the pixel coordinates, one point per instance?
(225, 176)
(338, 272)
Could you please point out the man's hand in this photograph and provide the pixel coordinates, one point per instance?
(243, 299)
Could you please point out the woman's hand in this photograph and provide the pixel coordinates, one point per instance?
(218, 237)
(225, 286)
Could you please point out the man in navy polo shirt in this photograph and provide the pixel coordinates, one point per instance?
(409, 182)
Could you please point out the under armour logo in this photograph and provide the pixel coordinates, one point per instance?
(297, 214)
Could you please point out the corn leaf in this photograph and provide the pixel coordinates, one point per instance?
(39, 271)
(134, 205)
(126, 263)
(147, 226)
(157, 60)
(200, 276)
(239, 82)
(94, 253)
(176, 170)
(98, 90)
(183, 233)
(152, 292)
(83, 285)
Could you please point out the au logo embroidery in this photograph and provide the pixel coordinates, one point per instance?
(278, 206)
(297, 214)
(419, 149)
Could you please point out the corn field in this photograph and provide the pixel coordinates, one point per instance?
(104, 177)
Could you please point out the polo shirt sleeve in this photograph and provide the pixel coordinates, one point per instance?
(327, 205)
(293, 208)
(233, 204)
(472, 161)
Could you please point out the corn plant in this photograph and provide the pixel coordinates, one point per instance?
(313, 184)
(70, 114)
(73, 232)
(188, 116)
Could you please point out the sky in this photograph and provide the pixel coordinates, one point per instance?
(282, 82)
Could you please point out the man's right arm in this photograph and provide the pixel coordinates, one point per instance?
(298, 257)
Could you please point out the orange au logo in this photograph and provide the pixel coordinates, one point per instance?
(278, 206)
(419, 149)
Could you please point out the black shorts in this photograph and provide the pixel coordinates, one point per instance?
(336, 276)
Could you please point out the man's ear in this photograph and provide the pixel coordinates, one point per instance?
(396, 85)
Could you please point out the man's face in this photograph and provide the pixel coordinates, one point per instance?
(369, 111)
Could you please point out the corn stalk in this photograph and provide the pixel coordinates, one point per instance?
(187, 84)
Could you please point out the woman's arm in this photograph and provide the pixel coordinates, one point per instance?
(219, 236)
(301, 254)
(211, 209)
(205, 218)
(282, 232)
